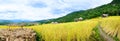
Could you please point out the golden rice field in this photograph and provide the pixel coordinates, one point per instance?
(111, 26)
(76, 31)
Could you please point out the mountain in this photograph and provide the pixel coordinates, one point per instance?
(17, 20)
(45, 21)
(113, 9)
(5, 22)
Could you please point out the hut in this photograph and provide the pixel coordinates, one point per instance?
(54, 22)
(104, 15)
(78, 19)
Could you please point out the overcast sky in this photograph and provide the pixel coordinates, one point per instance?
(44, 9)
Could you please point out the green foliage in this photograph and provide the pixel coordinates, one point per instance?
(5, 22)
(116, 2)
(38, 37)
(115, 38)
(96, 35)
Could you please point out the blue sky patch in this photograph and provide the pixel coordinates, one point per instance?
(57, 11)
(38, 5)
(44, 9)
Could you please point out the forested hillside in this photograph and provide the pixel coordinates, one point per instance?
(113, 9)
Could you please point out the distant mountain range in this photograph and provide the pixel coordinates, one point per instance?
(4, 22)
(20, 20)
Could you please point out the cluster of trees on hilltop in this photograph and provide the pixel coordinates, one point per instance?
(115, 2)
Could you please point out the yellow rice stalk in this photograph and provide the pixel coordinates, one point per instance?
(73, 31)
(111, 26)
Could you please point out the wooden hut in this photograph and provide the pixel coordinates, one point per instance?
(54, 22)
(104, 15)
(78, 19)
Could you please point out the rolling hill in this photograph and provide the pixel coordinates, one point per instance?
(113, 9)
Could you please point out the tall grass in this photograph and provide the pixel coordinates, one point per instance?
(111, 26)
(79, 31)
(75, 31)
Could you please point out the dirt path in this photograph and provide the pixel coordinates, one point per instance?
(104, 35)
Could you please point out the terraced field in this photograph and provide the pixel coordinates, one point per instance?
(78, 31)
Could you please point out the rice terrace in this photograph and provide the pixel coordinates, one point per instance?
(98, 23)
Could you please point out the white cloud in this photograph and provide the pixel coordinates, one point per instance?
(28, 9)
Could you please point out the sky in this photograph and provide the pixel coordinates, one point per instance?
(44, 9)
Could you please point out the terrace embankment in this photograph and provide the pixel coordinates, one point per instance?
(18, 34)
